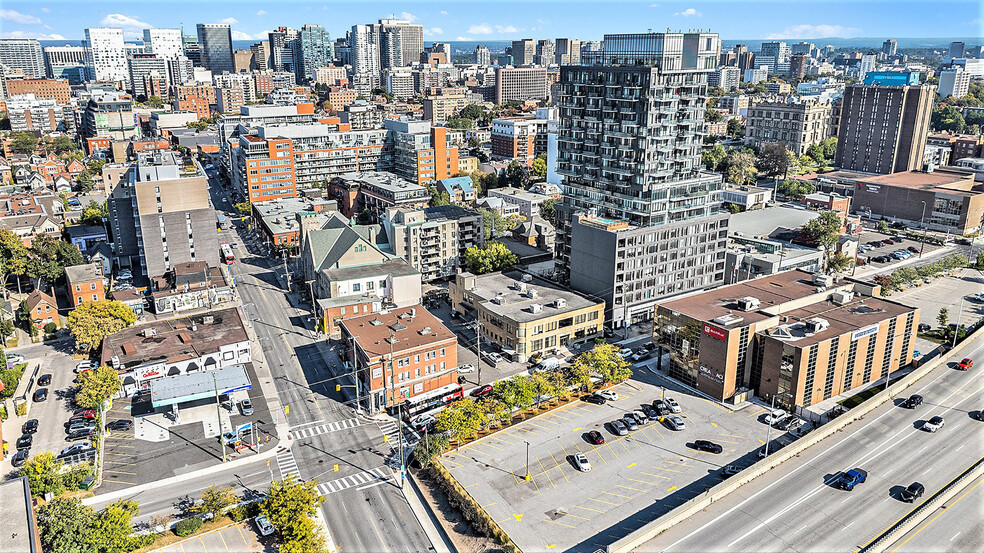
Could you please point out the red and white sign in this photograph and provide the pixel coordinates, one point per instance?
(151, 373)
(715, 332)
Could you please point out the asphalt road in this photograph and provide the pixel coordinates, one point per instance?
(372, 518)
(795, 508)
(956, 526)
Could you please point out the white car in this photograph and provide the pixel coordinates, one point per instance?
(83, 366)
(494, 357)
(466, 368)
(581, 460)
(610, 395)
(775, 416)
(676, 423)
(933, 424)
(15, 358)
(625, 352)
(674, 406)
(263, 525)
(421, 421)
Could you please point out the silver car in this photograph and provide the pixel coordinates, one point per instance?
(619, 427)
(581, 460)
(676, 423)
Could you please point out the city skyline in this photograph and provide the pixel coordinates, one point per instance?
(490, 22)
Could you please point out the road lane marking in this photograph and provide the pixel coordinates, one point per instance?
(955, 536)
(948, 507)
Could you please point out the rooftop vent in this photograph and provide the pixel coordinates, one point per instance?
(527, 278)
(497, 299)
(536, 308)
(560, 303)
(148, 332)
(823, 280)
(748, 303)
(375, 322)
(816, 325)
(531, 293)
(841, 298)
(425, 330)
(208, 319)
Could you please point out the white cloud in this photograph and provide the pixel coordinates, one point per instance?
(17, 17)
(46, 10)
(653, 5)
(689, 12)
(229, 21)
(504, 29)
(464, 38)
(408, 16)
(239, 35)
(443, 12)
(124, 21)
(815, 31)
(25, 34)
(482, 29)
(433, 31)
(261, 12)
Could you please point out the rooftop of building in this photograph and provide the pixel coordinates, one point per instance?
(175, 339)
(854, 316)
(181, 388)
(394, 267)
(380, 179)
(279, 216)
(342, 301)
(82, 273)
(518, 297)
(412, 328)
(948, 180)
(519, 193)
(17, 525)
(763, 222)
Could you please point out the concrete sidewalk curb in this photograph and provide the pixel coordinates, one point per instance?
(427, 518)
(266, 455)
(319, 518)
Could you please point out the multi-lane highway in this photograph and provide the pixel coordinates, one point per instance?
(795, 508)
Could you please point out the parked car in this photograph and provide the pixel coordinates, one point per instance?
(650, 412)
(913, 249)
(466, 368)
(582, 463)
(15, 358)
(44, 380)
(83, 366)
(912, 492)
(848, 480)
(76, 426)
(596, 399)
(915, 400)
(246, 407)
(923, 327)
(729, 471)
(20, 458)
(41, 394)
(789, 423)
(595, 437)
(775, 416)
(421, 422)
(619, 428)
(625, 352)
(610, 395)
(676, 423)
(769, 449)
(494, 357)
(708, 446)
(639, 416)
(630, 422)
(965, 363)
(661, 407)
(75, 449)
(673, 405)
(978, 297)
(80, 434)
(30, 427)
(482, 391)
(85, 413)
(121, 425)
(25, 441)
(643, 353)
(263, 525)
(933, 424)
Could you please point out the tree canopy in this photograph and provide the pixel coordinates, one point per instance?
(796, 189)
(289, 506)
(461, 419)
(94, 213)
(824, 231)
(712, 158)
(495, 224)
(774, 159)
(548, 209)
(740, 167)
(97, 386)
(49, 257)
(540, 166)
(23, 142)
(90, 322)
(517, 175)
(493, 257)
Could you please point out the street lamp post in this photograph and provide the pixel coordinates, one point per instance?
(218, 413)
(768, 433)
(956, 326)
(527, 477)
(922, 238)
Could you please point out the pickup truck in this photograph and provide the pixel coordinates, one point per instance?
(851, 478)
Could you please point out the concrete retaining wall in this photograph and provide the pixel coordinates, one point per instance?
(718, 492)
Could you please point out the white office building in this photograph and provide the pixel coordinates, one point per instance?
(954, 82)
(105, 55)
(163, 43)
(22, 55)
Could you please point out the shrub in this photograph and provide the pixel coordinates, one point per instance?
(50, 328)
(72, 480)
(188, 526)
(244, 511)
(22, 409)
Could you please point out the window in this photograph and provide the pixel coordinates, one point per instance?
(92, 286)
(78, 287)
(356, 287)
(442, 352)
(94, 297)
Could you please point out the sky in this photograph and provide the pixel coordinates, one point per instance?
(451, 20)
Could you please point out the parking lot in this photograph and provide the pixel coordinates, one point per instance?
(633, 479)
(130, 460)
(237, 538)
(946, 292)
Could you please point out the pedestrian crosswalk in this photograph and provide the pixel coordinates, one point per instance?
(326, 428)
(391, 429)
(365, 479)
(287, 464)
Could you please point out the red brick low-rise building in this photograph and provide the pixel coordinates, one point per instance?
(85, 284)
(400, 355)
(43, 309)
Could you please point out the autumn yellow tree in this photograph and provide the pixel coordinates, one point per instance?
(90, 322)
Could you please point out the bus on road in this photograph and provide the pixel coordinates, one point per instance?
(226, 250)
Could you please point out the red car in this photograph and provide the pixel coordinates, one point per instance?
(965, 364)
(481, 391)
(595, 437)
(84, 413)
(913, 249)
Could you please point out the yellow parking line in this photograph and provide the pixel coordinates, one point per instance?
(538, 426)
(618, 495)
(578, 428)
(224, 544)
(489, 504)
(499, 437)
(471, 485)
(718, 405)
(561, 470)
(727, 441)
(733, 436)
(646, 481)
(628, 488)
(119, 472)
(492, 446)
(545, 473)
(602, 501)
(681, 464)
(625, 446)
(562, 417)
(671, 489)
(657, 475)
(559, 523)
(759, 412)
(123, 482)
(664, 468)
(576, 516)
(589, 509)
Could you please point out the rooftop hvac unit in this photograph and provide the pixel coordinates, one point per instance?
(149, 332)
(536, 308)
(748, 303)
(527, 278)
(816, 325)
(521, 286)
(560, 303)
(841, 298)
(823, 280)
(425, 330)
(208, 319)
(497, 299)
(531, 293)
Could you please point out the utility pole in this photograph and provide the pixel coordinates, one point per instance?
(768, 433)
(956, 326)
(286, 271)
(218, 413)
(922, 239)
(403, 465)
(392, 377)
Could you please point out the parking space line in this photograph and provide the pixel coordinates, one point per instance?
(625, 446)
(578, 428)
(489, 504)
(648, 437)
(727, 441)
(576, 516)
(224, 544)
(603, 501)
(719, 406)
(676, 463)
(671, 489)
(664, 468)
(759, 412)
(629, 488)
(618, 495)
(124, 482)
(492, 446)
(564, 474)
(588, 509)
(472, 485)
(498, 437)
(646, 481)
(119, 472)
(559, 523)
(559, 416)
(545, 473)
(538, 426)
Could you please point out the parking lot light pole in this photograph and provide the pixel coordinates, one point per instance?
(956, 325)
(478, 347)
(218, 413)
(768, 433)
(922, 238)
(527, 477)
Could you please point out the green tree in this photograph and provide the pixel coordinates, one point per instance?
(713, 157)
(796, 189)
(815, 152)
(735, 128)
(428, 448)
(883, 226)
(23, 142)
(94, 213)
(289, 506)
(731, 208)
(517, 175)
(472, 111)
(943, 317)
(904, 276)
(438, 197)
(460, 123)
(492, 180)
(66, 525)
(740, 167)
(114, 527)
(493, 257)
(155, 102)
(64, 143)
(214, 501)
(495, 224)
(980, 261)
(605, 361)
(97, 386)
(244, 208)
(774, 159)
(839, 263)
(543, 386)
(829, 146)
(461, 419)
(90, 322)
(84, 182)
(712, 115)
(14, 256)
(540, 166)
(43, 472)
(49, 257)
(947, 118)
(824, 231)
(95, 165)
(548, 209)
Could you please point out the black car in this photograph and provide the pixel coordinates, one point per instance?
(708, 446)
(729, 471)
(121, 425)
(80, 426)
(661, 407)
(30, 427)
(596, 399)
(80, 434)
(20, 458)
(25, 441)
(595, 437)
(913, 401)
(41, 394)
(44, 380)
(913, 492)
